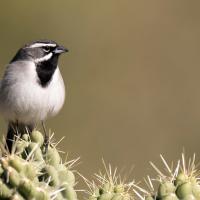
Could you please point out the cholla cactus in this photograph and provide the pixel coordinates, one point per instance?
(33, 172)
(109, 186)
(181, 183)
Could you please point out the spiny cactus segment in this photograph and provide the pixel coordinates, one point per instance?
(109, 186)
(180, 183)
(32, 172)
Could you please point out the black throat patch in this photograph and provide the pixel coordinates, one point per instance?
(46, 69)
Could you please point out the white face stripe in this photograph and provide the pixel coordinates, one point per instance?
(41, 45)
(47, 57)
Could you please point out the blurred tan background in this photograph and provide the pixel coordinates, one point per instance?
(132, 75)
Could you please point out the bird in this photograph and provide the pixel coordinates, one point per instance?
(32, 88)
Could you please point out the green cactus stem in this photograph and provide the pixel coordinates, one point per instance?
(109, 186)
(30, 173)
(181, 183)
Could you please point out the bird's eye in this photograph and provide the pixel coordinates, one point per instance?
(46, 49)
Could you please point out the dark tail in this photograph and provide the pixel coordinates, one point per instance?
(16, 130)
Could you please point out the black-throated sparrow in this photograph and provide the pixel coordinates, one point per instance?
(32, 88)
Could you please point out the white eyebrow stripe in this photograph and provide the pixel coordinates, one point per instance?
(41, 45)
(47, 57)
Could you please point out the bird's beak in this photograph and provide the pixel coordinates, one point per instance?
(60, 49)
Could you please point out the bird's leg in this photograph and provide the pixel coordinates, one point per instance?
(12, 134)
(16, 128)
(46, 137)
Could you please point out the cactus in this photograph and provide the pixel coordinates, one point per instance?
(33, 172)
(109, 186)
(181, 183)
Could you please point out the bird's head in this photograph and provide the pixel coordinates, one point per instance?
(44, 54)
(40, 51)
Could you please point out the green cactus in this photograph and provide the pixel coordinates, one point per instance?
(181, 183)
(109, 186)
(33, 172)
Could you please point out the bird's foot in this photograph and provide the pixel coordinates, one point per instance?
(46, 138)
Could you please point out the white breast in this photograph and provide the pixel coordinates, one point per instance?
(22, 98)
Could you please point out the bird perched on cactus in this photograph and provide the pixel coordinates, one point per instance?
(32, 88)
